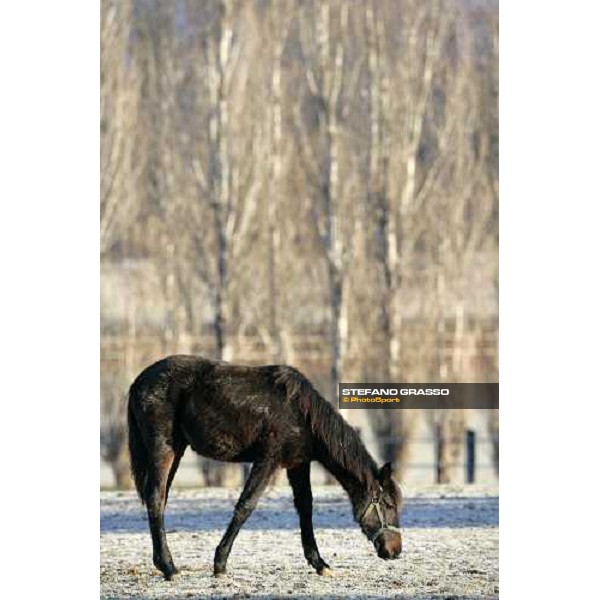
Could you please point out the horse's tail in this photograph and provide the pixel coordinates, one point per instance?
(137, 450)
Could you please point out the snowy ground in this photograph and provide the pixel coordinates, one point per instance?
(450, 543)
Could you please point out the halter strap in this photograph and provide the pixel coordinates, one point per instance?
(374, 504)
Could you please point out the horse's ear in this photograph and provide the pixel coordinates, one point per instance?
(385, 473)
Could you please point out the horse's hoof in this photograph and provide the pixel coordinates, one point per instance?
(220, 574)
(325, 572)
(169, 576)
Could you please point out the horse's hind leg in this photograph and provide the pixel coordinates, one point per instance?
(160, 466)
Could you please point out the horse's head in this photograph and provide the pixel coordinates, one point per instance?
(379, 519)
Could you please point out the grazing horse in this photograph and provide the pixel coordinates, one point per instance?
(270, 416)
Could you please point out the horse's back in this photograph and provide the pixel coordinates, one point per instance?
(243, 396)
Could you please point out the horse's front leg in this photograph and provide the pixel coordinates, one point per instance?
(255, 484)
(299, 479)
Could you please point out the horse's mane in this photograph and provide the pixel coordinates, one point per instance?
(341, 441)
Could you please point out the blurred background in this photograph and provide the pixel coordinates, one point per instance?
(311, 183)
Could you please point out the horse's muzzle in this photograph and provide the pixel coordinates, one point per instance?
(386, 554)
(389, 549)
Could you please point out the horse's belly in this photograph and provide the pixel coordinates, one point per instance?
(236, 433)
(220, 439)
(224, 447)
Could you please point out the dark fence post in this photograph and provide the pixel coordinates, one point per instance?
(439, 452)
(470, 443)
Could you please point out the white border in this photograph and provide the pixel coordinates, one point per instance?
(549, 305)
(49, 55)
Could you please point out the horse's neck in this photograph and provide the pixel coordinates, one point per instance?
(340, 449)
(356, 482)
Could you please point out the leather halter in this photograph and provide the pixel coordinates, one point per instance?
(375, 504)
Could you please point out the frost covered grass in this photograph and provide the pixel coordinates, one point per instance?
(450, 547)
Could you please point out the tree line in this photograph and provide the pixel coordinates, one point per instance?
(297, 166)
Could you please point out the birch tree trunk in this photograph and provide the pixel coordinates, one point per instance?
(218, 56)
(279, 30)
(324, 76)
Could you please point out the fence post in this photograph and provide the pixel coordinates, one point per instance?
(439, 453)
(470, 443)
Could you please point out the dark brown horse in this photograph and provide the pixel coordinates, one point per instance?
(269, 416)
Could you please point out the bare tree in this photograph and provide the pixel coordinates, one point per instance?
(461, 216)
(397, 128)
(323, 34)
(228, 179)
(279, 25)
(118, 107)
